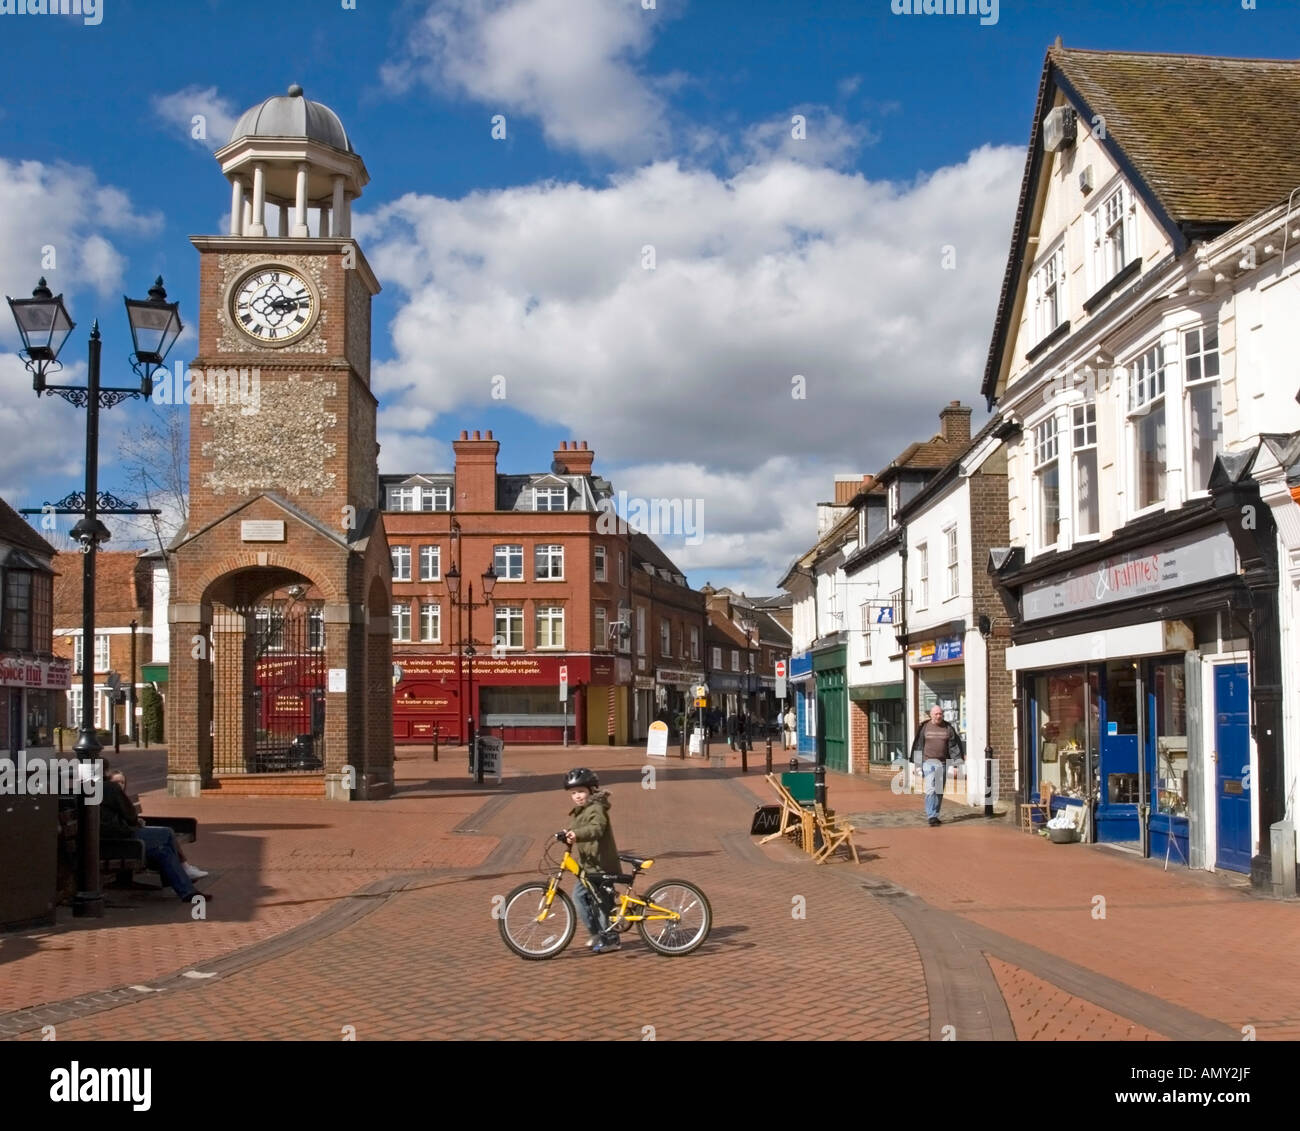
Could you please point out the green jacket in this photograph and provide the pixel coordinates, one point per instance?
(594, 846)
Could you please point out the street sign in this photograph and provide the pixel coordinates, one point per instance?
(780, 669)
(700, 691)
(564, 673)
(564, 683)
(780, 687)
(656, 745)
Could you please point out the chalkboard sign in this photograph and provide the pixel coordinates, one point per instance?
(767, 819)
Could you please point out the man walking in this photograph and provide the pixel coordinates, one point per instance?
(790, 723)
(937, 743)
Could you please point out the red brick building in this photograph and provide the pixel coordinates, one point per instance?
(123, 594)
(558, 604)
(668, 633)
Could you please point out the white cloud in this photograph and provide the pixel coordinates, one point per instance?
(571, 64)
(217, 113)
(781, 269)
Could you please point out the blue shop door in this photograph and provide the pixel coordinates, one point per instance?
(1232, 764)
(1117, 808)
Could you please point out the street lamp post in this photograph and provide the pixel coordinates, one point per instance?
(133, 728)
(452, 578)
(44, 325)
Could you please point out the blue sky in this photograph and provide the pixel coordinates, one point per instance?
(625, 127)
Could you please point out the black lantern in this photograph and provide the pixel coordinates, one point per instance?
(155, 326)
(489, 581)
(44, 324)
(452, 578)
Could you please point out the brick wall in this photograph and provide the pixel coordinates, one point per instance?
(859, 736)
(989, 529)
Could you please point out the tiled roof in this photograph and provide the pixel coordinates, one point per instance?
(123, 589)
(17, 531)
(1216, 140)
(643, 549)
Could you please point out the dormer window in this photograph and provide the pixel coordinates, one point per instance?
(415, 498)
(550, 499)
(1114, 241)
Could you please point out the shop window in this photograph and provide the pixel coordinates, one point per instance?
(1087, 500)
(887, 741)
(1067, 710)
(1171, 739)
(1204, 409)
(1147, 417)
(948, 693)
(1121, 697)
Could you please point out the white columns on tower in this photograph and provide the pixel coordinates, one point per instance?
(324, 228)
(258, 226)
(338, 208)
(236, 207)
(248, 215)
(300, 202)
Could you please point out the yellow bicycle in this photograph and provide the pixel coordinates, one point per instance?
(539, 918)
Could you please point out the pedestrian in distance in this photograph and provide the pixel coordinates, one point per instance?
(936, 746)
(790, 723)
(591, 835)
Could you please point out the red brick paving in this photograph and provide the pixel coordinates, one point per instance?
(1186, 938)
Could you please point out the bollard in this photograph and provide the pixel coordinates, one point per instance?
(988, 781)
(794, 764)
(819, 786)
(117, 739)
(435, 742)
(769, 753)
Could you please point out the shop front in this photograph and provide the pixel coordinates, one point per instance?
(29, 693)
(832, 707)
(803, 689)
(938, 669)
(1133, 694)
(882, 708)
(518, 693)
(643, 691)
(673, 693)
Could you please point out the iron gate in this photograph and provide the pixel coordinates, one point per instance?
(268, 693)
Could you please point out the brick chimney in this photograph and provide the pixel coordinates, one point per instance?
(954, 423)
(846, 486)
(476, 472)
(575, 459)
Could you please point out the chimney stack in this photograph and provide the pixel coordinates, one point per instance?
(575, 459)
(476, 472)
(846, 486)
(954, 423)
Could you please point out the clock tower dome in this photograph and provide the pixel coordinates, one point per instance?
(283, 509)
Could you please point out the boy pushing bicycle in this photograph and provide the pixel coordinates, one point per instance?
(592, 837)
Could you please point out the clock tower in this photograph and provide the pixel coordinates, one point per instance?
(284, 523)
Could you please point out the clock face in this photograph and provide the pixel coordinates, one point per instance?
(273, 305)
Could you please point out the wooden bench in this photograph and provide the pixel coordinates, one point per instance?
(125, 856)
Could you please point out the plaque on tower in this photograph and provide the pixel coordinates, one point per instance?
(262, 530)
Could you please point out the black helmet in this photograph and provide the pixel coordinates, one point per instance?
(585, 778)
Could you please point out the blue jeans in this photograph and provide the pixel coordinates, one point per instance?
(936, 774)
(594, 912)
(161, 853)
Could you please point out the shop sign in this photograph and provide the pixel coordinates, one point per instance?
(678, 677)
(945, 650)
(17, 671)
(644, 683)
(442, 666)
(1186, 560)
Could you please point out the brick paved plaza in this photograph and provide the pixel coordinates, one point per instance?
(378, 915)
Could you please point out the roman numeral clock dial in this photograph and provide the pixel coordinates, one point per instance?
(274, 306)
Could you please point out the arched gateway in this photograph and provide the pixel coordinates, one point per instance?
(281, 653)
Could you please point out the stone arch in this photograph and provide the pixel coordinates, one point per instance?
(278, 563)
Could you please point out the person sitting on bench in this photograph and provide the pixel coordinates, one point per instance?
(190, 870)
(118, 820)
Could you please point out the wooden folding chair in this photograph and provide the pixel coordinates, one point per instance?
(836, 833)
(794, 817)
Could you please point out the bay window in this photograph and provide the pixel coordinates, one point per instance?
(1047, 473)
(1147, 417)
(1087, 502)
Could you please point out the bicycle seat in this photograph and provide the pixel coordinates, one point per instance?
(637, 862)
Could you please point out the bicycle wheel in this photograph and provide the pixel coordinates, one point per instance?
(683, 934)
(530, 936)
